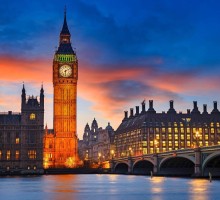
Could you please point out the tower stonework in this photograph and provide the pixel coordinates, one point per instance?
(65, 75)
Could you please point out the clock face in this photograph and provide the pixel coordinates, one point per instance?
(65, 71)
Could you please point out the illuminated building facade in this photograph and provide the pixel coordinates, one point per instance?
(60, 148)
(148, 132)
(21, 136)
(97, 144)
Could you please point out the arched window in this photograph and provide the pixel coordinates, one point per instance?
(32, 116)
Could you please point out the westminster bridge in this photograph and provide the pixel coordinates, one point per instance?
(184, 162)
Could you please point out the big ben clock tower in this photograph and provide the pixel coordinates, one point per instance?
(65, 75)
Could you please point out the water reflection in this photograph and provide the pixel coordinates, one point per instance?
(61, 187)
(199, 189)
(157, 187)
(107, 187)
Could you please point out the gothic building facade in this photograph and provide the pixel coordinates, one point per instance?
(148, 132)
(21, 137)
(60, 145)
(98, 144)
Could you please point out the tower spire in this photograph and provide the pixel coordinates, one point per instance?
(23, 89)
(65, 29)
(65, 44)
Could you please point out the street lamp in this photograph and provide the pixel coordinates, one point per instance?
(130, 150)
(112, 153)
(99, 155)
(197, 135)
(155, 145)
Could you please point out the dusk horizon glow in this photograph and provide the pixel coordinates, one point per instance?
(127, 52)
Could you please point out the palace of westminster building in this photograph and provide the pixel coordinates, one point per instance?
(26, 147)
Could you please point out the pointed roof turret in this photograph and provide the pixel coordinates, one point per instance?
(87, 128)
(23, 89)
(94, 123)
(42, 89)
(65, 29)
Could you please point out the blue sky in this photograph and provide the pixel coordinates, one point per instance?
(127, 50)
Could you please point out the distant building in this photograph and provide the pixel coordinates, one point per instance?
(97, 144)
(149, 132)
(21, 136)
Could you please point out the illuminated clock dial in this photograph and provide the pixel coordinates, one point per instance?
(65, 71)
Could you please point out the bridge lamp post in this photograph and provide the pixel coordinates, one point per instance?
(112, 153)
(130, 150)
(155, 146)
(197, 135)
(99, 155)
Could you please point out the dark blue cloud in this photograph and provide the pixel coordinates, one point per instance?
(128, 90)
(181, 34)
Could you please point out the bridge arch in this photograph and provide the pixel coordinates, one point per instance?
(121, 168)
(177, 165)
(211, 164)
(143, 166)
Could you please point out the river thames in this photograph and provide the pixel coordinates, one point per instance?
(107, 187)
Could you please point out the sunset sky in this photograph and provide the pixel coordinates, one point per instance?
(128, 51)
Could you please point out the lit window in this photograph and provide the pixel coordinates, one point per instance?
(188, 130)
(212, 130)
(0, 154)
(8, 155)
(32, 154)
(188, 137)
(182, 137)
(170, 144)
(188, 143)
(170, 137)
(169, 130)
(17, 140)
(176, 143)
(32, 116)
(182, 130)
(164, 143)
(206, 137)
(17, 155)
(176, 137)
(176, 130)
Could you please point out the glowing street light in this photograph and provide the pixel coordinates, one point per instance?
(112, 153)
(130, 150)
(155, 145)
(99, 156)
(197, 135)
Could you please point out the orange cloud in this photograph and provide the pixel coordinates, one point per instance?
(28, 70)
